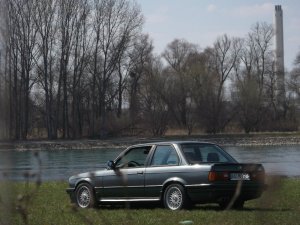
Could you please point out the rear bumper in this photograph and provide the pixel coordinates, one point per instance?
(71, 193)
(217, 192)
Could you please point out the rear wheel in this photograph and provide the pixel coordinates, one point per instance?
(175, 197)
(85, 197)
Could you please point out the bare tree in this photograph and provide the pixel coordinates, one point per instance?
(155, 111)
(255, 77)
(80, 56)
(176, 54)
(67, 15)
(141, 58)
(223, 58)
(261, 35)
(202, 88)
(116, 23)
(250, 104)
(45, 20)
(21, 49)
(294, 81)
(4, 75)
(4, 116)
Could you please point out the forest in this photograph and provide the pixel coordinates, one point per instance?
(84, 68)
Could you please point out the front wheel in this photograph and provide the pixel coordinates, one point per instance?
(175, 197)
(85, 197)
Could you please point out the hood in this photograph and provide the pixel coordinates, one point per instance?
(88, 174)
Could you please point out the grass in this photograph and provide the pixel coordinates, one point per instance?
(28, 203)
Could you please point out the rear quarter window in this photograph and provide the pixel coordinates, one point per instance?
(196, 153)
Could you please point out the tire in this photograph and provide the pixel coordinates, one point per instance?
(85, 197)
(175, 197)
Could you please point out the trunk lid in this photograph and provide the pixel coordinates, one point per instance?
(237, 167)
(237, 171)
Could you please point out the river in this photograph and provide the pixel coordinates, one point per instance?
(60, 164)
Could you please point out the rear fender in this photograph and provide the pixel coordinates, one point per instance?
(172, 180)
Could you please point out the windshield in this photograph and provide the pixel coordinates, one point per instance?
(196, 153)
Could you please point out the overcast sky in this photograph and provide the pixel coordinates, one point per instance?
(202, 21)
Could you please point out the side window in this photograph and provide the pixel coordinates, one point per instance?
(192, 154)
(211, 154)
(135, 157)
(203, 153)
(165, 155)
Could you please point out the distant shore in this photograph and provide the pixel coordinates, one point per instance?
(259, 139)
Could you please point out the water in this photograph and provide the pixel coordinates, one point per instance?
(54, 165)
(60, 165)
(277, 160)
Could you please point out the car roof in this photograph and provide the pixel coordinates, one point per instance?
(170, 142)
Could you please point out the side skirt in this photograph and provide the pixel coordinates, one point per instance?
(129, 199)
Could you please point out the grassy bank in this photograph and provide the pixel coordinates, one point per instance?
(22, 203)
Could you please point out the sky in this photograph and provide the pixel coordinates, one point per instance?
(202, 21)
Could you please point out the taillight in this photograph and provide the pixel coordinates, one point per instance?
(259, 174)
(218, 176)
(260, 169)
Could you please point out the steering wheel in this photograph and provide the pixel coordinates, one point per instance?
(133, 164)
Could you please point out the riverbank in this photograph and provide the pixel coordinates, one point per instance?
(259, 139)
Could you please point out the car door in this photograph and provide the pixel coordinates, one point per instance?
(128, 179)
(163, 165)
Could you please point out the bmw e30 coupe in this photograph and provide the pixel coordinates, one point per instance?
(178, 174)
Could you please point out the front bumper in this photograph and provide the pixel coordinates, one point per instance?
(71, 192)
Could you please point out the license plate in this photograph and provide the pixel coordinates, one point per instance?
(239, 176)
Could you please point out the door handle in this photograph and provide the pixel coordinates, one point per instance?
(140, 172)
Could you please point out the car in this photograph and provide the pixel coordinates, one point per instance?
(178, 174)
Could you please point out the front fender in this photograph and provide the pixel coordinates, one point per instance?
(73, 183)
(82, 180)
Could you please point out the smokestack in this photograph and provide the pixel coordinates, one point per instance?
(279, 54)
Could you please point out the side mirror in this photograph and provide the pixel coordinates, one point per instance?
(111, 165)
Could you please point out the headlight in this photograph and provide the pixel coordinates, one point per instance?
(72, 181)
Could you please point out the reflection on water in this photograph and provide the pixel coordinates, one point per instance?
(279, 160)
(60, 165)
(55, 165)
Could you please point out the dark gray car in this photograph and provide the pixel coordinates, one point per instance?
(177, 173)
